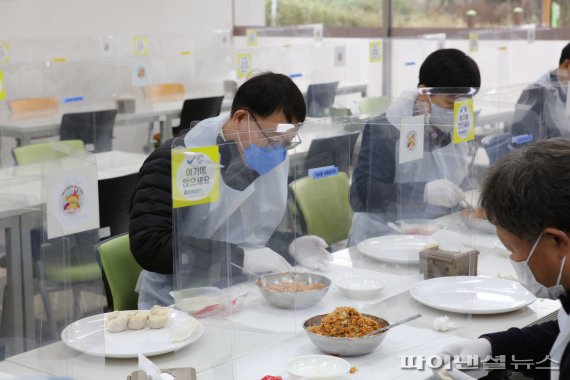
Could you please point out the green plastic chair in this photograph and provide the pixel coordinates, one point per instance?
(324, 206)
(120, 272)
(340, 112)
(373, 105)
(34, 153)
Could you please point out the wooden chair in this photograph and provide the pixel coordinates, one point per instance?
(32, 106)
(164, 90)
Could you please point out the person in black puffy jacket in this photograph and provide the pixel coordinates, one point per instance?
(197, 251)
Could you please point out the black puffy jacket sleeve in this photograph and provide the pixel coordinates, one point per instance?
(150, 230)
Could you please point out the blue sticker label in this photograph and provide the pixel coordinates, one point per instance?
(409, 63)
(325, 171)
(295, 75)
(521, 139)
(73, 99)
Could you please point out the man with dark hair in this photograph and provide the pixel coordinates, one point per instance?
(239, 229)
(382, 190)
(541, 108)
(527, 196)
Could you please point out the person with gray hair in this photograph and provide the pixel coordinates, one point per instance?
(526, 196)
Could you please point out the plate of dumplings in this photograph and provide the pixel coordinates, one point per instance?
(125, 334)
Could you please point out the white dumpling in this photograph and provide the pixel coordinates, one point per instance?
(137, 319)
(158, 317)
(183, 330)
(116, 321)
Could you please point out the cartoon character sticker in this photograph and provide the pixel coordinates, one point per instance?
(71, 199)
(411, 140)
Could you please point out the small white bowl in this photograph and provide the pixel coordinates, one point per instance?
(360, 288)
(317, 366)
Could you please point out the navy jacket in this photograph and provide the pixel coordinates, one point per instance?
(534, 343)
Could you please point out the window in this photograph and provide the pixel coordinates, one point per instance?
(330, 13)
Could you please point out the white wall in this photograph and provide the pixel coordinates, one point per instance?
(46, 19)
(501, 62)
(41, 30)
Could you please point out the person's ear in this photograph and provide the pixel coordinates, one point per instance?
(565, 65)
(422, 97)
(240, 117)
(562, 240)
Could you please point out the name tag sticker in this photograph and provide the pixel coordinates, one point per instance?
(522, 139)
(73, 99)
(195, 176)
(322, 172)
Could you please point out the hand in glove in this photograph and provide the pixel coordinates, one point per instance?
(310, 252)
(443, 193)
(480, 348)
(259, 260)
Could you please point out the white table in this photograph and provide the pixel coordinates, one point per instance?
(25, 129)
(20, 201)
(165, 112)
(242, 351)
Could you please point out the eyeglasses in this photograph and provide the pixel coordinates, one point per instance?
(281, 139)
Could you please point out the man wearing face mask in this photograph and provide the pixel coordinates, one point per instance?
(383, 191)
(212, 241)
(527, 196)
(541, 108)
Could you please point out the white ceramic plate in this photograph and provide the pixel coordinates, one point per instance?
(360, 288)
(88, 335)
(399, 249)
(317, 366)
(473, 295)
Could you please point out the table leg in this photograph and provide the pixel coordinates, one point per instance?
(12, 328)
(26, 223)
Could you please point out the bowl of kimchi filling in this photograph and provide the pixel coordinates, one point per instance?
(342, 332)
(293, 290)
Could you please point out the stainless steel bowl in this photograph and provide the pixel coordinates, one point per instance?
(478, 224)
(293, 300)
(345, 346)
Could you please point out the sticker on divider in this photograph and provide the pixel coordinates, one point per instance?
(322, 172)
(521, 139)
(463, 121)
(195, 176)
(2, 92)
(473, 42)
(251, 37)
(140, 75)
(4, 54)
(106, 47)
(141, 45)
(72, 201)
(245, 65)
(411, 146)
(340, 56)
(375, 51)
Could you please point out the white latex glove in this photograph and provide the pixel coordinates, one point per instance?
(443, 193)
(310, 251)
(259, 260)
(480, 348)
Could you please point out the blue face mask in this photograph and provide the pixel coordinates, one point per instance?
(263, 159)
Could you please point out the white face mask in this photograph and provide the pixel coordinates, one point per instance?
(526, 277)
(441, 118)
